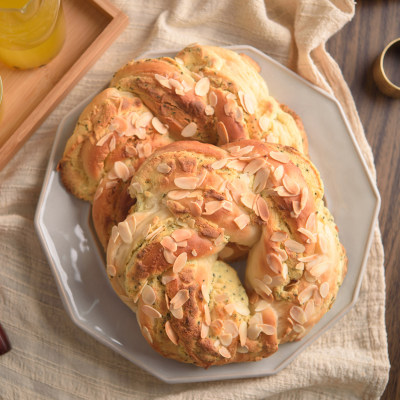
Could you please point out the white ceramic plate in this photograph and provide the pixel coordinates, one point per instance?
(64, 227)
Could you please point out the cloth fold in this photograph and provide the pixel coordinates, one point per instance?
(51, 357)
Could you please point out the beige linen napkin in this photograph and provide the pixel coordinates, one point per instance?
(51, 357)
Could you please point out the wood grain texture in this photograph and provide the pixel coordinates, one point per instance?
(30, 95)
(355, 47)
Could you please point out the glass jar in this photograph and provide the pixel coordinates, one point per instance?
(32, 32)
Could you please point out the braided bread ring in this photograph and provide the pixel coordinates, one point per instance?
(209, 94)
(162, 260)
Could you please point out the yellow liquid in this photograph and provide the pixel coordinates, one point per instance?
(30, 36)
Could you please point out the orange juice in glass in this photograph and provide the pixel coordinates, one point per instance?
(32, 32)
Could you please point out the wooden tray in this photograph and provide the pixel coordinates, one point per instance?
(29, 96)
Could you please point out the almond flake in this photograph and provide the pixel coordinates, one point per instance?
(177, 312)
(204, 330)
(279, 236)
(237, 165)
(324, 289)
(231, 328)
(253, 331)
(159, 126)
(181, 234)
(248, 199)
(319, 269)
(207, 316)
(260, 180)
(242, 221)
(311, 236)
(163, 81)
(224, 352)
(298, 315)
(179, 299)
(148, 295)
(180, 263)
(169, 244)
(169, 257)
(186, 182)
(223, 137)
(254, 165)
(243, 333)
(179, 61)
(104, 139)
(194, 253)
(263, 211)
(212, 207)
(219, 163)
(143, 120)
(225, 339)
(121, 170)
(294, 246)
(151, 312)
(310, 308)
(261, 305)
(163, 168)
(264, 122)
(189, 130)
(261, 288)
(290, 185)
(99, 192)
(304, 197)
(208, 110)
(111, 270)
(219, 298)
(168, 278)
(147, 335)
(311, 222)
(227, 205)
(299, 328)
(279, 156)
(306, 294)
(202, 87)
(204, 292)
(213, 99)
(125, 232)
(136, 187)
(178, 194)
(229, 308)
(171, 333)
(278, 173)
(242, 349)
(274, 263)
(267, 329)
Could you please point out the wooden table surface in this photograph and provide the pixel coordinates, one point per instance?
(355, 47)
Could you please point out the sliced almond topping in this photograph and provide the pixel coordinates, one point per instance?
(159, 126)
(147, 335)
(299, 328)
(311, 236)
(260, 180)
(267, 279)
(148, 295)
(163, 81)
(111, 270)
(171, 333)
(310, 308)
(250, 103)
(219, 298)
(242, 309)
(217, 326)
(242, 221)
(112, 144)
(229, 308)
(261, 288)
(300, 266)
(298, 314)
(279, 156)
(324, 289)
(207, 316)
(254, 165)
(202, 87)
(194, 253)
(189, 130)
(290, 185)
(323, 242)
(279, 236)
(104, 139)
(304, 197)
(282, 192)
(237, 165)
(243, 333)
(219, 163)
(231, 328)
(147, 149)
(306, 294)
(208, 110)
(179, 299)
(261, 305)
(253, 331)
(225, 339)
(136, 187)
(319, 269)
(212, 207)
(296, 208)
(248, 199)
(186, 182)
(241, 151)
(177, 312)
(311, 222)
(182, 244)
(224, 352)
(121, 170)
(223, 137)
(178, 194)
(181, 234)
(204, 292)
(242, 349)
(294, 246)
(99, 192)
(169, 256)
(163, 168)
(267, 329)
(274, 262)
(180, 262)
(264, 122)
(151, 312)
(169, 244)
(125, 232)
(144, 120)
(213, 99)
(179, 61)
(204, 330)
(263, 211)
(168, 278)
(227, 205)
(278, 173)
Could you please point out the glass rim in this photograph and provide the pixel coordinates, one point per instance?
(17, 9)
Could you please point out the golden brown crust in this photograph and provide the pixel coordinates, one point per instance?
(162, 260)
